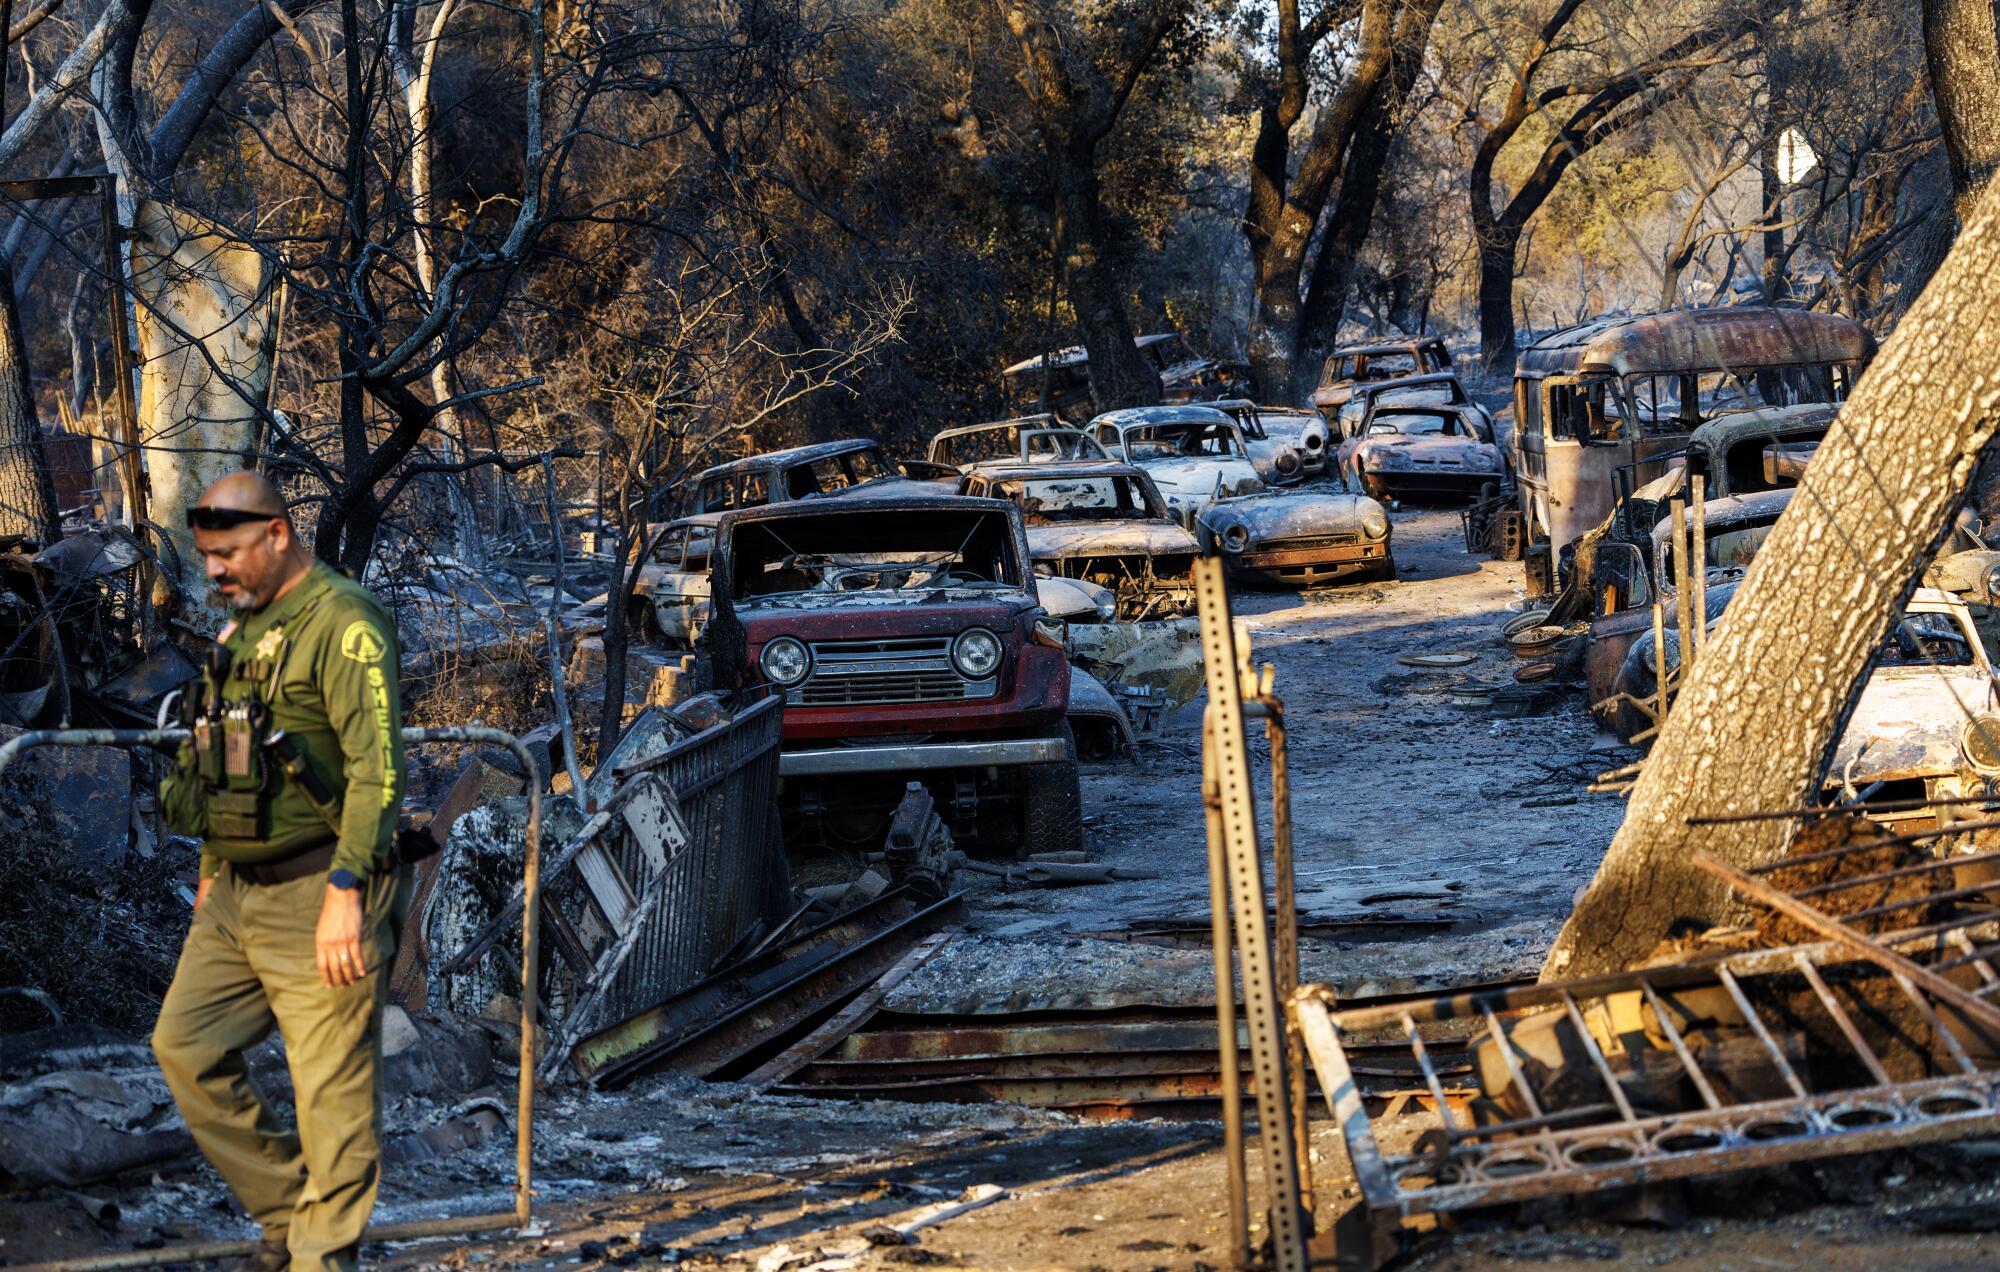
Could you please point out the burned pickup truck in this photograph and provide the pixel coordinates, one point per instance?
(903, 637)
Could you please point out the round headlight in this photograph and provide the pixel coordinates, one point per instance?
(1374, 521)
(785, 661)
(976, 653)
(1991, 582)
(1288, 460)
(1980, 740)
(1314, 441)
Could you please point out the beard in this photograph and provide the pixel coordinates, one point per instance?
(242, 598)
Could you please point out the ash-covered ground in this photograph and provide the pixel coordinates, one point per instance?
(1472, 831)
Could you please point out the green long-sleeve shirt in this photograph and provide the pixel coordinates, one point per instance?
(330, 649)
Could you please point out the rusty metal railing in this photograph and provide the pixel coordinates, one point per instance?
(522, 1215)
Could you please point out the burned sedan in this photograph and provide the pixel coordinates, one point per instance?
(1422, 449)
(1104, 523)
(1197, 457)
(903, 636)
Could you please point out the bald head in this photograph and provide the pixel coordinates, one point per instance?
(247, 541)
(244, 491)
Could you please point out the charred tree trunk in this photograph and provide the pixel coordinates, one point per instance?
(1353, 215)
(1120, 375)
(27, 495)
(1764, 703)
(1498, 243)
(1078, 80)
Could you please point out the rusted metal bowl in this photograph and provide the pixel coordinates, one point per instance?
(1529, 673)
(1535, 642)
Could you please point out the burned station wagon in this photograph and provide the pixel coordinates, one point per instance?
(902, 637)
(1104, 523)
(1359, 364)
(1196, 456)
(1442, 386)
(802, 472)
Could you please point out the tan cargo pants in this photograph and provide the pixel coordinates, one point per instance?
(249, 963)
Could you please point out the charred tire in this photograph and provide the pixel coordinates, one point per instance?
(1510, 535)
(1051, 805)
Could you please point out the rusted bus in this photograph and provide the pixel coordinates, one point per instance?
(1624, 394)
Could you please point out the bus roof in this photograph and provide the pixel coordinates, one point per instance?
(1740, 337)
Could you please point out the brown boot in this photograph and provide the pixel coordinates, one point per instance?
(270, 1256)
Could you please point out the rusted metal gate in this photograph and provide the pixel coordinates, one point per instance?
(1782, 1055)
(712, 890)
(672, 867)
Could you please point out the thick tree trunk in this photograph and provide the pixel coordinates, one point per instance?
(1497, 247)
(27, 496)
(1962, 48)
(205, 335)
(1119, 374)
(1769, 694)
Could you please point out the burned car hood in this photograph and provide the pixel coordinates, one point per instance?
(1907, 722)
(1099, 538)
(1395, 450)
(1288, 516)
(1194, 476)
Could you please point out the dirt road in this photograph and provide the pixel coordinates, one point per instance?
(1405, 807)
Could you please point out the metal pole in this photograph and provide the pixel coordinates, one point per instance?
(1287, 918)
(1289, 1222)
(1225, 1003)
(1683, 614)
(1659, 665)
(130, 470)
(531, 866)
(1698, 562)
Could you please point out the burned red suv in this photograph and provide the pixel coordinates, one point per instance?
(902, 634)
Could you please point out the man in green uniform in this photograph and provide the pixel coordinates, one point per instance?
(292, 781)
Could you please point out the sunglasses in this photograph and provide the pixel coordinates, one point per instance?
(199, 518)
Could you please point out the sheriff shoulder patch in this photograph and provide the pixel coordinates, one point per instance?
(361, 643)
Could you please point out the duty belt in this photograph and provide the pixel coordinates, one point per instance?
(309, 862)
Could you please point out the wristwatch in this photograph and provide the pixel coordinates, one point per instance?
(343, 879)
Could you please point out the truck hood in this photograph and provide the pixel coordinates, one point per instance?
(861, 614)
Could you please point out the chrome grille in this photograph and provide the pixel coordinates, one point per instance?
(1313, 541)
(908, 669)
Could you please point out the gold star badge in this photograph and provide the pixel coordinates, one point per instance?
(267, 647)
